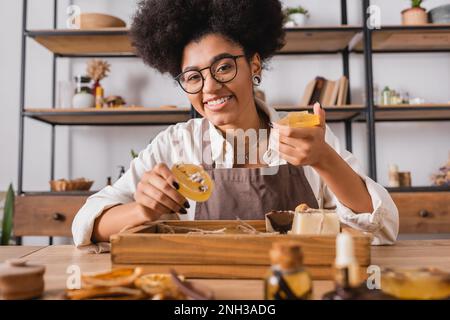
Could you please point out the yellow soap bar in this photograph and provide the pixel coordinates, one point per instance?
(301, 119)
(195, 183)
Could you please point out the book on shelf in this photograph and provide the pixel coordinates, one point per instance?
(317, 92)
(334, 93)
(328, 99)
(343, 91)
(308, 92)
(326, 92)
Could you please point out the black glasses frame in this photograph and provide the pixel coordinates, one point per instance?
(178, 77)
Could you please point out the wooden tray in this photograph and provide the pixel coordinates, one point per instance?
(231, 255)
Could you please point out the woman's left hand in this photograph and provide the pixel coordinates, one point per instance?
(303, 146)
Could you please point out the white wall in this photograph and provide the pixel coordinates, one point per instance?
(95, 152)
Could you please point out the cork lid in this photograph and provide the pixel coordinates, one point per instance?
(286, 254)
(19, 267)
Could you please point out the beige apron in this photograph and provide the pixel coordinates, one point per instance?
(248, 194)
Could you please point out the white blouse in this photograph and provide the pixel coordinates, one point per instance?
(182, 143)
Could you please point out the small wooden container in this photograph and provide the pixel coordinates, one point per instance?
(62, 185)
(20, 280)
(404, 179)
(232, 254)
(90, 20)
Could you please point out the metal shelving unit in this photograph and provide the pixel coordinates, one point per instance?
(399, 39)
(343, 40)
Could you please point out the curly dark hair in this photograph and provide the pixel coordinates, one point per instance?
(162, 28)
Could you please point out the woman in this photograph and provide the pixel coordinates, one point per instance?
(216, 50)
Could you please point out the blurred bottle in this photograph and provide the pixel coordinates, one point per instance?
(394, 180)
(347, 274)
(287, 278)
(99, 93)
(385, 96)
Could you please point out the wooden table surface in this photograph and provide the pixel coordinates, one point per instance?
(57, 259)
(10, 252)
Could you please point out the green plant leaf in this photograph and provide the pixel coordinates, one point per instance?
(133, 154)
(8, 216)
(416, 3)
(292, 10)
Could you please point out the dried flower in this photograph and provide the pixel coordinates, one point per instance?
(442, 178)
(98, 69)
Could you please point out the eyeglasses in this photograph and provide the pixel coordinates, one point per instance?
(222, 70)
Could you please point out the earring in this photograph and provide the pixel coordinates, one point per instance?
(256, 80)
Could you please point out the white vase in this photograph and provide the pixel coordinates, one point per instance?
(299, 19)
(83, 100)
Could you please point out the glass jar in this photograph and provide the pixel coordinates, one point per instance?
(287, 279)
(83, 97)
(386, 96)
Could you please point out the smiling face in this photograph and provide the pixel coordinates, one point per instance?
(226, 105)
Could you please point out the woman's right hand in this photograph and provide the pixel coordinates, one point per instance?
(157, 194)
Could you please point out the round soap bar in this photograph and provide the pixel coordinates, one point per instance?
(20, 280)
(115, 278)
(416, 284)
(301, 119)
(195, 183)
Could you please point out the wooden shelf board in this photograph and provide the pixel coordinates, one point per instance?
(88, 193)
(131, 109)
(127, 115)
(419, 189)
(423, 105)
(318, 39)
(412, 112)
(164, 116)
(69, 42)
(409, 39)
(334, 113)
(115, 41)
(348, 107)
(58, 194)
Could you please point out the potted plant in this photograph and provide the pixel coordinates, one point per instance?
(416, 15)
(295, 16)
(7, 220)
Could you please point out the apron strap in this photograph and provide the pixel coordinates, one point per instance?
(206, 160)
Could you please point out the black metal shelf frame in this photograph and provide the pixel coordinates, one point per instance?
(370, 114)
(367, 115)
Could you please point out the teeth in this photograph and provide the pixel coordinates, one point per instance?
(218, 101)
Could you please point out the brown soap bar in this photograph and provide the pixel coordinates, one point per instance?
(279, 221)
(20, 280)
